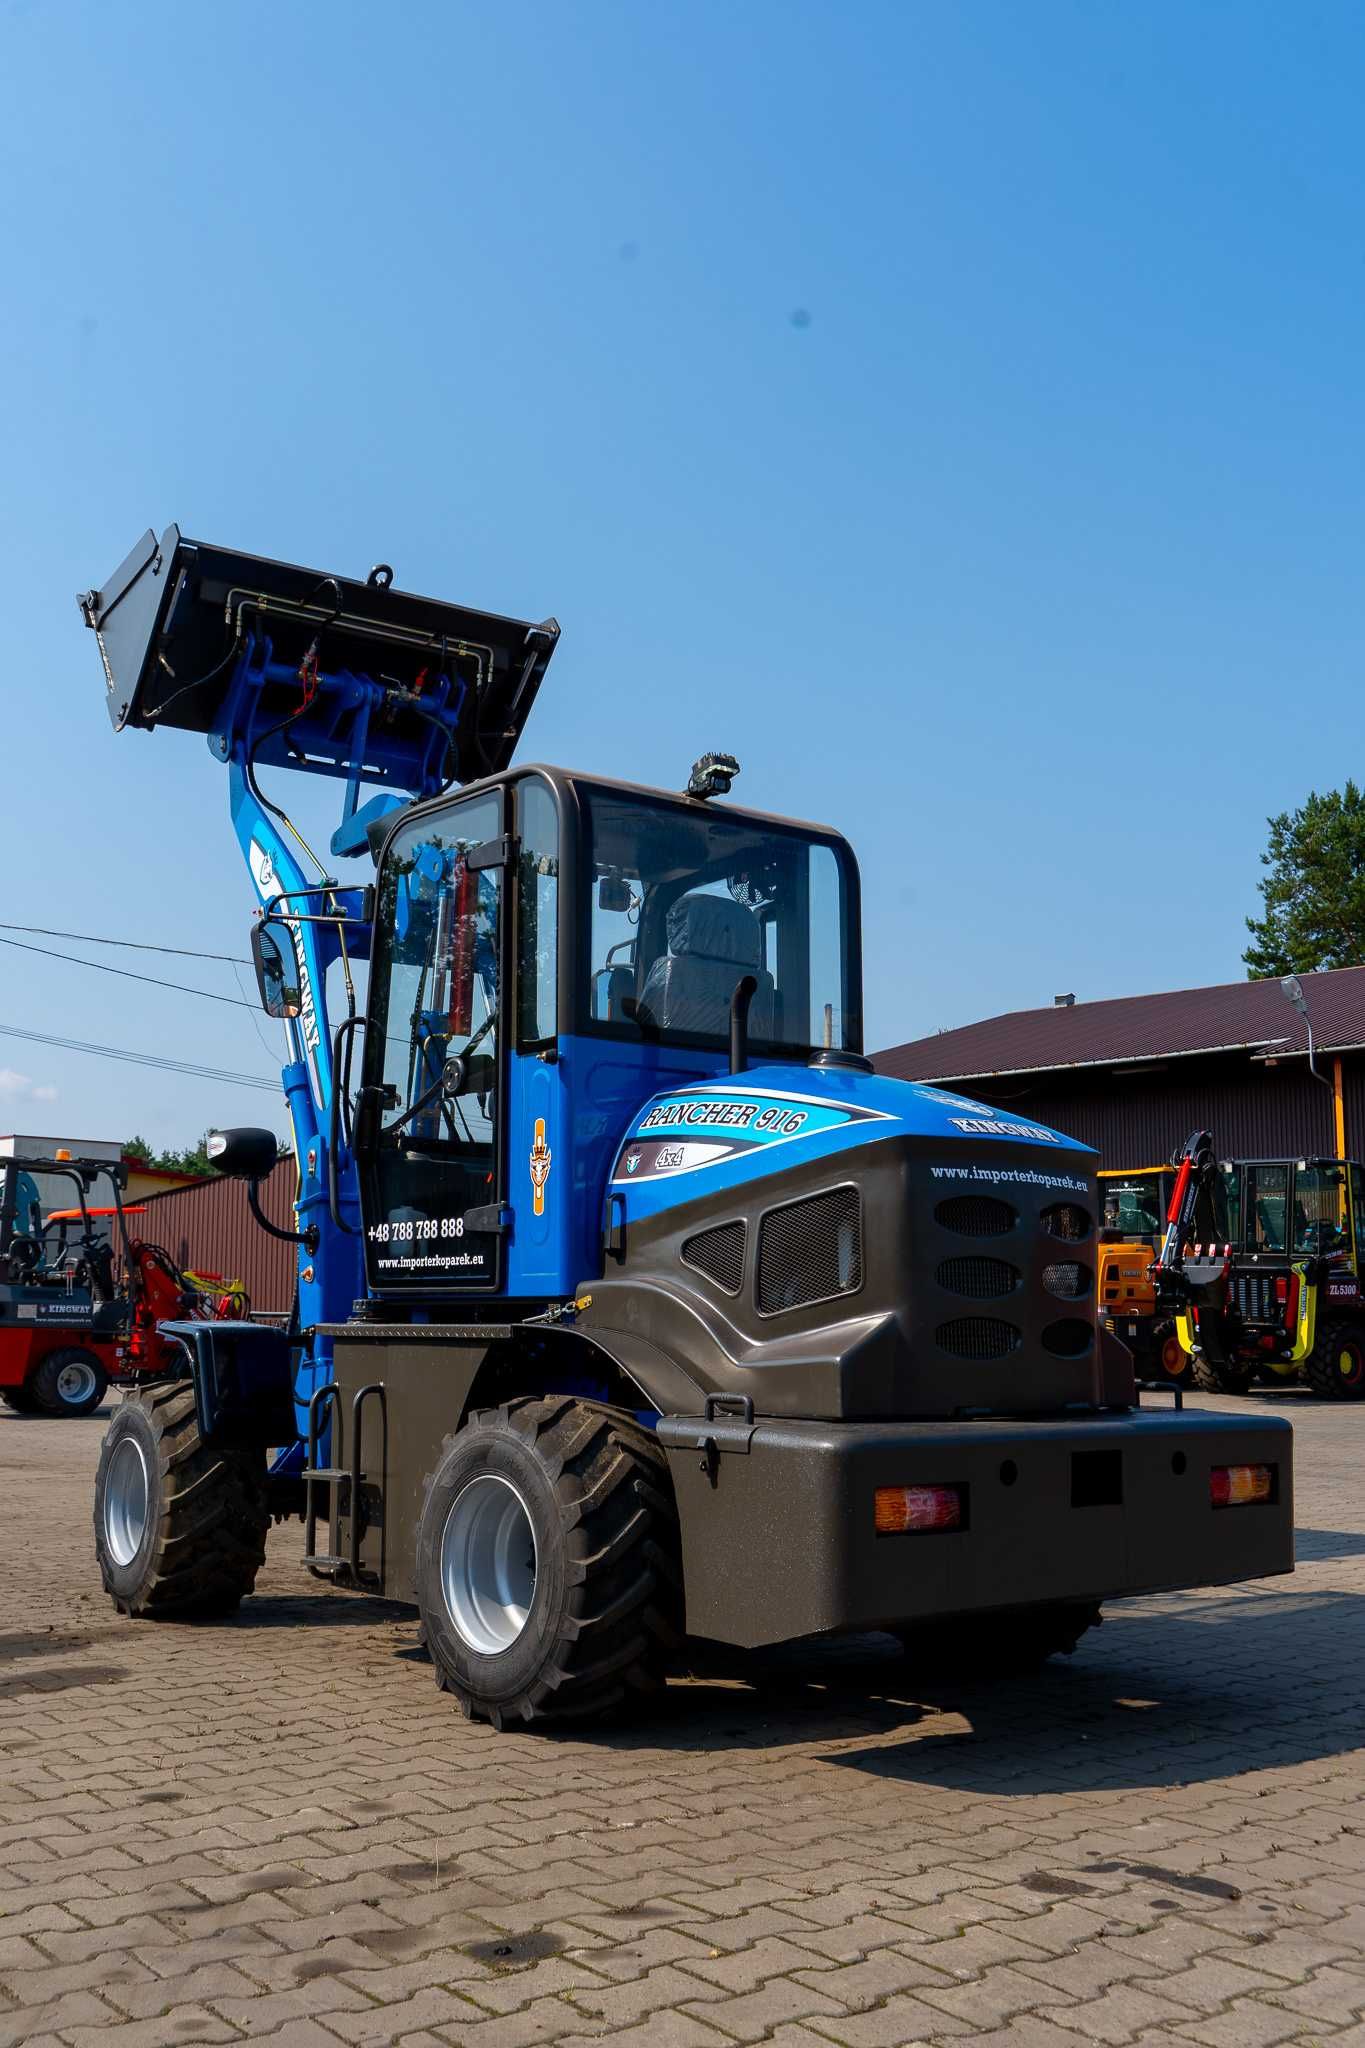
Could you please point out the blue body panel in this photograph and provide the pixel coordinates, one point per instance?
(587, 1097)
(737, 1130)
(658, 1126)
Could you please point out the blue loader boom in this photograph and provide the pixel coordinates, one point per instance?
(283, 667)
(633, 1304)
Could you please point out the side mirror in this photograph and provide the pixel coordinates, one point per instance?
(613, 893)
(277, 972)
(243, 1154)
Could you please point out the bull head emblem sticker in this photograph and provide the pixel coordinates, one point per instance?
(541, 1157)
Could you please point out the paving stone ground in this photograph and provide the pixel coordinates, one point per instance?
(276, 1828)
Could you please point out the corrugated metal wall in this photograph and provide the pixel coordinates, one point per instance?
(210, 1228)
(1139, 1119)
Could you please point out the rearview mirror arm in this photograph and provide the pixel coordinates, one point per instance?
(307, 1238)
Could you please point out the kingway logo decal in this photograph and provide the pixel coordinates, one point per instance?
(694, 1131)
(1000, 1127)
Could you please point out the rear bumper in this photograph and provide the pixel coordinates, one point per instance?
(779, 1537)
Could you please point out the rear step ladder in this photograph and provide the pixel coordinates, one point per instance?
(346, 1487)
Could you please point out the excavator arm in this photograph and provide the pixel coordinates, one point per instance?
(1191, 1270)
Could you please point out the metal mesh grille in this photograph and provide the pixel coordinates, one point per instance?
(981, 1279)
(1254, 1294)
(1066, 1219)
(976, 1215)
(719, 1254)
(1068, 1279)
(978, 1337)
(1070, 1338)
(810, 1250)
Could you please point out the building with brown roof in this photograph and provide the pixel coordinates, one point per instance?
(1134, 1076)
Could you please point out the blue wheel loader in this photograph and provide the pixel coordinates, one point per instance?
(633, 1305)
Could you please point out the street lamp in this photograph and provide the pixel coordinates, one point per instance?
(1292, 987)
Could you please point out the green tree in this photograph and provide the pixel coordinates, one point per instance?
(1314, 893)
(189, 1161)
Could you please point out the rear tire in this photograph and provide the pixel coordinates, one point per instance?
(180, 1526)
(997, 1645)
(1335, 1366)
(17, 1398)
(1232, 1378)
(547, 1563)
(68, 1382)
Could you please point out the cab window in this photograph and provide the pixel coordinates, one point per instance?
(537, 913)
(1267, 1201)
(1134, 1207)
(1319, 1211)
(686, 900)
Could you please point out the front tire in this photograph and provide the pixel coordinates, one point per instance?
(68, 1382)
(180, 1526)
(1336, 1364)
(547, 1563)
(17, 1398)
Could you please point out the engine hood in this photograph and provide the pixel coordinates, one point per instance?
(710, 1135)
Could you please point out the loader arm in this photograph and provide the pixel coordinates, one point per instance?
(287, 668)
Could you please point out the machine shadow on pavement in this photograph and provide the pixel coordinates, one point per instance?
(1160, 1699)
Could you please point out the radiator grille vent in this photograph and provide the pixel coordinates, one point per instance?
(978, 1337)
(810, 1250)
(1070, 1338)
(976, 1216)
(1066, 1220)
(1256, 1299)
(1068, 1279)
(981, 1279)
(719, 1254)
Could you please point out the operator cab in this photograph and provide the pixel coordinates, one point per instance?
(50, 1250)
(1281, 1209)
(549, 950)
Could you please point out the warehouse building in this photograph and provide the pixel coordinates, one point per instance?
(208, 1228)
(1133, 1077)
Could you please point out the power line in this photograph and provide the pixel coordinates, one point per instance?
(126, 974)
(143, 1059)
(42, 931)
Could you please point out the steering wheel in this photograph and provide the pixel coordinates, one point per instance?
(25, 1252)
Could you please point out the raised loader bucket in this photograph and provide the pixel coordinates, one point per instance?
(300, 668)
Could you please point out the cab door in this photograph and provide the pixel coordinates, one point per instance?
(429, 1130)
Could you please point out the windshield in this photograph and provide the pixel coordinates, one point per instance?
(685, 901)
(1137, 1206)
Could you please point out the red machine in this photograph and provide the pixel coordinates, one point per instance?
(73, 1317)
(158, 1292)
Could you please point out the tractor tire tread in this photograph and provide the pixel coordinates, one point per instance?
(1321, 1368)
(1218, 1379)
(211, 1532)
(622, 1606)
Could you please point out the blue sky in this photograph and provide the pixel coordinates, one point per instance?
(1028, 552)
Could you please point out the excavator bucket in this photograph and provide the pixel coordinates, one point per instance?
(299, 668)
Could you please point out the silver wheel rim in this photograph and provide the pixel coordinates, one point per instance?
(125, 1501)
(488, 1564)
(76, 1382)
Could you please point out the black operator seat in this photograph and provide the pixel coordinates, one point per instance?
(712, 942)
